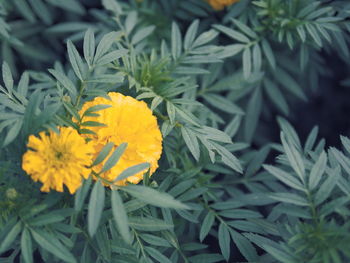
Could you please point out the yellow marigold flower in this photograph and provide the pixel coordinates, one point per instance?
(131, 121)
(57, 159)
(221, 4)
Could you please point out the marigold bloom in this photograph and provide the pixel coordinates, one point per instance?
(221, 4)
(131, 121)
(57, 159)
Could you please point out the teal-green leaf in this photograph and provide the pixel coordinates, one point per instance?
(52, 245)
(26, 246)
(114, 158)
(89, 46)
(191, 141)
(96, 205)
(207, 224)
(154, 253)
(120, 216)
(132, 170)
(75, 60)
(317, 170)
(224, 241)
(103, 153)
(10, 237)
(153, 197)
(149, 224)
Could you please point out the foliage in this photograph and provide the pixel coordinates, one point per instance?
(226, 189)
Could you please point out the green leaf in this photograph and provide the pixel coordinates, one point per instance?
(120, 216)
(10, 237)
(76, 61)
(23, 84)
(207, 224)
(328, 185)
(285, 177)
(7, 77)
(224, 241)
(142, 34)
(247, 62)
(105, 44)
(228, 158)
(222, 103)
(64, 80)
(269, 53)
(103, 153)
(157, 255)
(80, 195)
(95, 209)
(155, 240)
(114, 158)
(176, 41)
(276, 96)
(46, 219)
(89, 46)
(26, 246)
(188, 116)
(110, 57)
(132, 170)
(317, 170)
(252, 115)
(13, 132)
(232, 33)
(206, 258)
(191, 34)
(191, 142)
(52, 245)
(149, 224)
(294, 158)
(153, 197)
(289, 198)
(279, 254)
(244, 246)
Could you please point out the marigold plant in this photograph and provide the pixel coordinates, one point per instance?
(174, 131)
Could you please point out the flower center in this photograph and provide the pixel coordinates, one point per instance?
(58, 155)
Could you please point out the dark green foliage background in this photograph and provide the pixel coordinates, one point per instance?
(252, 102)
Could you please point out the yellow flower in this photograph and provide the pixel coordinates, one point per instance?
(131, 121)
(57, 159)
(220, 4)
